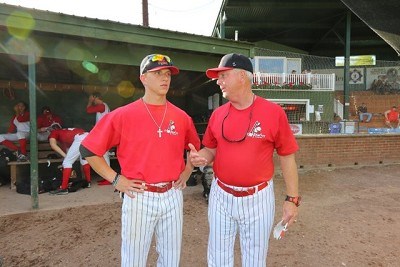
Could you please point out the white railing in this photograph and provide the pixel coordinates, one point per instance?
(338, 108)
(324, 82)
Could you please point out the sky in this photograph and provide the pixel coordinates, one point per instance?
(190, 16)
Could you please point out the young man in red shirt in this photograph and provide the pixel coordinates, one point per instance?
(98, 106)
(18, 131)
(66, 142)
(44, 123)
(151, 135)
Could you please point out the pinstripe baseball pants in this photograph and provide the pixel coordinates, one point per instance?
(145, 214)
(252, 216)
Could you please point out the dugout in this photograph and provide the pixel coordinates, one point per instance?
(70, 57)
(74, 56)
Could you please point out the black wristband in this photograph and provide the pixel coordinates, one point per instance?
(116, 179)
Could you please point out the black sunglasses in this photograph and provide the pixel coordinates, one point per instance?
(248, 127)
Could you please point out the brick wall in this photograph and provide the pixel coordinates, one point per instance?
(317, 151)
(375, 103)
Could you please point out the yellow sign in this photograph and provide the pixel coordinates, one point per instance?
(365, 60)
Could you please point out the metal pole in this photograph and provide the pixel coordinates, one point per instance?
(33, 131)
(145, 9)
(347, 68)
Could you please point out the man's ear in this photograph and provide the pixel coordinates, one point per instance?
(142, 78)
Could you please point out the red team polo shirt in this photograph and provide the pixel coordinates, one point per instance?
(249, 162)
(141, 153)
(21, 119)
(44, 121)
(65, 136)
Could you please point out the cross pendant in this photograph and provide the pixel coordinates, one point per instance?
(159, 132)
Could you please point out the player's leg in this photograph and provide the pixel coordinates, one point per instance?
(169, 228)
(369, 117)
(257, 218)
(7, 141)
(138, 220)
(223, 228)
(22, 140)
(72, 155)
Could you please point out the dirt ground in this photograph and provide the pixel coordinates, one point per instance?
(349, 217)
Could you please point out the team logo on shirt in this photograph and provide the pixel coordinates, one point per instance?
(255, 131)
(171, 128)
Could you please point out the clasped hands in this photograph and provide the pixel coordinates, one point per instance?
(195, 158)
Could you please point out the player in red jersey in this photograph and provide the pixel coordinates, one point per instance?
(69, 139)
(151, 136)
(44, 123)
(98, 106)
(18, 131)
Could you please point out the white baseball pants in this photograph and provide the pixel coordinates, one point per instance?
(252, 216)
(144, 214)
(73, 152)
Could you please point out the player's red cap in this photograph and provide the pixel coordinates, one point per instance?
(156, 62)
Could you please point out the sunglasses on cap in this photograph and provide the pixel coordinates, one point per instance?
(157, 62)
(159, 57)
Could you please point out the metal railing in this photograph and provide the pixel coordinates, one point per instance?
(323, 82)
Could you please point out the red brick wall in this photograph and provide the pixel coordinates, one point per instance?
(318, 151)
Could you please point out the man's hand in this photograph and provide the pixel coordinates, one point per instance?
(290, 212)
(181, 182)
(129, 187)
(195, 158)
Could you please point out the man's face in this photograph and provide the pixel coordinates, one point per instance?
(227, 81)
(157, 81)
(21, 107)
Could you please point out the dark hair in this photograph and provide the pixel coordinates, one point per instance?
(46, 108)
(24, 103)
(96, 94)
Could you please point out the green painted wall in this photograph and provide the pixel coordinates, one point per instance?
(316, 98)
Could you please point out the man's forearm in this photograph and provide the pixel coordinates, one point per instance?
(100, 166)
(290, 174)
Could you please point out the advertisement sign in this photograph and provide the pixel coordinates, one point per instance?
(297, 129)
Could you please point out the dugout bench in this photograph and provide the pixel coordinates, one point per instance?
(44, 150)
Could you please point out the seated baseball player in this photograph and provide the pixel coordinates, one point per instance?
(45, 121)
(69, 139)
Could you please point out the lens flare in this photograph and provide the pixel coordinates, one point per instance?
(89, 66)
(126, 89)
(20, 24)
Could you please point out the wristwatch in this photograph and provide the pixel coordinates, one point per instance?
(294, 200)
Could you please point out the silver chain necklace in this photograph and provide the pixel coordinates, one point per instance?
(159, 131)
